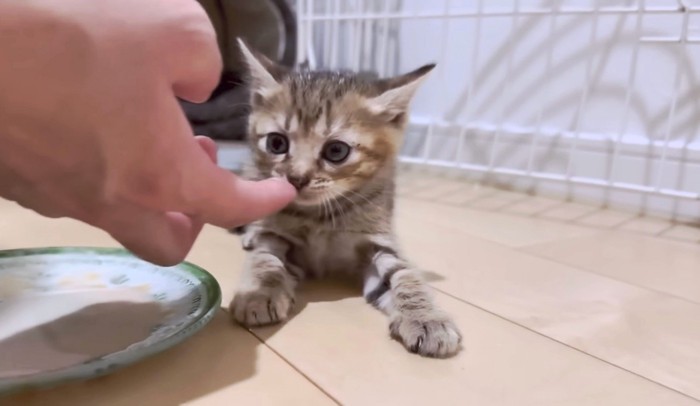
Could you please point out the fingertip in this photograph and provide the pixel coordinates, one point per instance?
(209, 146)
(165, 259)
(258, 199)
(205, 141)
(157, 253)
(280, 188)
(163, 239)
(274, 194)
(219, 197)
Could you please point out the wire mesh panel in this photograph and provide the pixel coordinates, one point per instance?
(591, 93)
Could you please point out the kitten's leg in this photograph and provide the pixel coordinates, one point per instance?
(394, 287)
(266, 291)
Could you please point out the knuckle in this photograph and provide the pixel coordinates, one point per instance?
(199, 38)
(193, 36)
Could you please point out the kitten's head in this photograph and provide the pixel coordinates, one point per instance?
(328, 133)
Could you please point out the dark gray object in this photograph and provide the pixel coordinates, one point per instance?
(266, 25)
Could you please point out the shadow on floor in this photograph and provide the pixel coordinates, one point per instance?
(191, 370)
(315, 291)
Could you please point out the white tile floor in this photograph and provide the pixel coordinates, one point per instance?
(560, 304)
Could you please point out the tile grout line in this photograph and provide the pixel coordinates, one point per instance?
(294, 367)
(565, 344)
(523, 249)
(612, 278)
(571, 222)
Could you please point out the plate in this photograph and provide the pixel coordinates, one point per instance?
(78, 313)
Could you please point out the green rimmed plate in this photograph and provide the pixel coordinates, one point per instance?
(77, 313)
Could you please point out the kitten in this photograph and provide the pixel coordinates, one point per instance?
(334, 136)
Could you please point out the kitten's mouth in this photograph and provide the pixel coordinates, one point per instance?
(309, 198)
(304, 198)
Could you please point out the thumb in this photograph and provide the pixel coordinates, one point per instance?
(253, 200)
(257, 199)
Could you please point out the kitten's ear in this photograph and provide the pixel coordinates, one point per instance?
(264, 74)
(397, 93)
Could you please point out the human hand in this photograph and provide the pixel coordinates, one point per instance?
(90, 127)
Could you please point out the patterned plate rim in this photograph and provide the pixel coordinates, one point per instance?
(107, 363)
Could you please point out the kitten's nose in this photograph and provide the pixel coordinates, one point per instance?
(299, 181)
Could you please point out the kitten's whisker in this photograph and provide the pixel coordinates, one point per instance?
(330, 203)
(343, 216)
(354, 205)
(360, 195)
(326, 207)
(321, 209)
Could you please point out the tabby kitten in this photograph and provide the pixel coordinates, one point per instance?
(334, 136)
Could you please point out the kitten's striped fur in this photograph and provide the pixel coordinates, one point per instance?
(341, 222)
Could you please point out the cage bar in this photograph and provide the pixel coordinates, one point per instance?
(537, 131)
(502, 13)
(585, 90)
(506, 78)
(632, 77)
(470, 84)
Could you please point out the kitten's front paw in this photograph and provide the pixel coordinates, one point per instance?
(433, 336)
(261, 307)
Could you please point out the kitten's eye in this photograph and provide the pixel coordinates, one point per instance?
(277, 143)
(336, 152)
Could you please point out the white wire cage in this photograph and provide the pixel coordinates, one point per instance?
(598, 99)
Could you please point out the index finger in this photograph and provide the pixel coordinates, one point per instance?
(219, 197)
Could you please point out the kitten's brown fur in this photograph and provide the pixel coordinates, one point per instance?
(341, 221)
